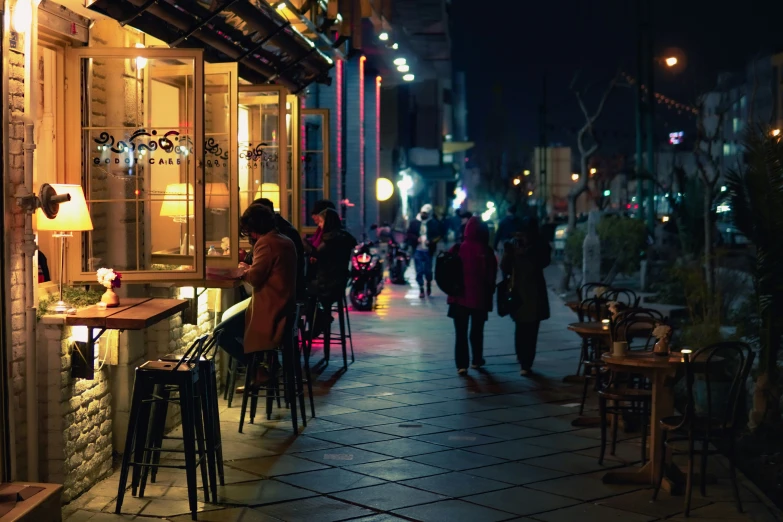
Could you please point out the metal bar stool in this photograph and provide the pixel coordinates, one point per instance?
(161, 376)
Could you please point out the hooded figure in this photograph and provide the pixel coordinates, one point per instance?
(479, 271)
(524, 259)
(423, 235)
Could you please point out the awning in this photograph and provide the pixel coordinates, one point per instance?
(250, 32)
(452, 147)
(444, 172)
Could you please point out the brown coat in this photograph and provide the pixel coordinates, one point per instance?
(273, 278)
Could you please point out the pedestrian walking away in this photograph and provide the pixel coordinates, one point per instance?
(470, 310)
(507, 228)
(423, 236)
(525, 258)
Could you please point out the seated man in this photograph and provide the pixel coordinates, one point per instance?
(288, 230)
(273, 279)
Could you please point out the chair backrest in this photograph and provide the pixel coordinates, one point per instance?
(641, 312)
(632, 326)
(622, 295)
(592, 309)
(194, 352)
(715, 380)
(587, 290)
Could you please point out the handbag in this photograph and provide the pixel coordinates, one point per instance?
(508, 301)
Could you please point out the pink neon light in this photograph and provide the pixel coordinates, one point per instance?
(378, 140)
(339, 105)
(302, 148)
(361, 139)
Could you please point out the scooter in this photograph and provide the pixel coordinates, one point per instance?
(399, 259)
(366, 276)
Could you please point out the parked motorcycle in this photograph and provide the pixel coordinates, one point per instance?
(399, 259)
(366, 276)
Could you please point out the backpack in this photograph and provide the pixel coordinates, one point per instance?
(448, 273)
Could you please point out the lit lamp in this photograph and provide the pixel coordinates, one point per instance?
(217, 197)
(177, 204)
(270, 191)
(73, 216)
(384, 189)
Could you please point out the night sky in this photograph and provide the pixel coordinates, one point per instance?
(505, 52)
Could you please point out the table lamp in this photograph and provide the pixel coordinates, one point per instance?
(73, 216)
(178, 205)
(271, 191)
(217, 197)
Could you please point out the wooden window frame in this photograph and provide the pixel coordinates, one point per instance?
(75, 153)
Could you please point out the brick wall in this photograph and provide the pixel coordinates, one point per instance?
(353, 150)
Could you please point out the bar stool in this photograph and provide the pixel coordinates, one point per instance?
(301, 338)
(291, 377)
(341, 307)
(208, 391)
(151, 387)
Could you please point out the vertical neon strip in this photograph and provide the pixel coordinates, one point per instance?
(361, 144)
(378, 141)
(302, 148)
(339, 126)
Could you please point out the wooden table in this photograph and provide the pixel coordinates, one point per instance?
(658, 369)
(577, 308)
(134, 313)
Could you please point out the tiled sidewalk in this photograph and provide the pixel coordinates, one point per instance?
(401, 437)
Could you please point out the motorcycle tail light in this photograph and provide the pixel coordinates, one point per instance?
(363, 258)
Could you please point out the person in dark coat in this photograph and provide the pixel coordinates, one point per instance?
(331, 260)
(479, 270)
(313, 242)
(507, 227)
(288, 230)
(464, 218)
(423, 236)
(524, 260)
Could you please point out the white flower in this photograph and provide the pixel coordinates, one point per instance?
(106, 276)
(662, 331)
(601, 290)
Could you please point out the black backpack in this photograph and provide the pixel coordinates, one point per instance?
(448, 273)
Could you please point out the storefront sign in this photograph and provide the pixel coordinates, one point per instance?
(139, 144)
(257, 155)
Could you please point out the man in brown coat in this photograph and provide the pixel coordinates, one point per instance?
(273, 278)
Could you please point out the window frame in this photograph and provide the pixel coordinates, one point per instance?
(74, 154)
(326, 140)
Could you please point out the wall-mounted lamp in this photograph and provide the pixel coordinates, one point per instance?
(384, 189)
(22, 15)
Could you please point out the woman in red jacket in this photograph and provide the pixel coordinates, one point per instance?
(471, 309)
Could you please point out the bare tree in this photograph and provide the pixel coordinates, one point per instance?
(712, 109)
(587, 142)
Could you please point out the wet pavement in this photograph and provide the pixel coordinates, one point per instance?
(400, 436)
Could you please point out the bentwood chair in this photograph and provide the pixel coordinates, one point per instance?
(587, 290)
(590, 310)
(715, 378)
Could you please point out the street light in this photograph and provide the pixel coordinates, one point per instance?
(383, 36)
(526, 173)
(776, 132)
(593, 171)
(400, 61)
(671, 61)
(395, 46)
(575, 176)
(403, 68)
(517, 181)
(409, 77)
(530, 193)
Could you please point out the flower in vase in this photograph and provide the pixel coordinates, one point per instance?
(600, 291)
(108, 278)
(662, 331)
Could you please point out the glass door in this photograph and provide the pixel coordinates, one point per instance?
(315, 163)
(268, 141)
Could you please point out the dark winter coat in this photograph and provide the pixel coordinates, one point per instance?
(333, 257)
(526, 261)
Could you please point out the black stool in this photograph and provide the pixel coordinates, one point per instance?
(161, 376)
(291, 385)
(208, 392)
(341, 306)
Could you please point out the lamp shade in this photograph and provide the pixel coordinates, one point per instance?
(270, 191)
(178, 201)
(217, 196)
(73, 216)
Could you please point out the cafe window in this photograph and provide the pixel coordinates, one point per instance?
(315, 162)
(267, 136)
(136, 145)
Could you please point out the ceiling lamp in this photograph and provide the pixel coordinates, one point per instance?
(409, 77)
(403, 68)
(400, 61)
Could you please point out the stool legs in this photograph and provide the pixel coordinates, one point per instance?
(343, 340)
(348, 323)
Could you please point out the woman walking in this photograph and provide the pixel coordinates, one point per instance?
(470, 310)
(524, 260)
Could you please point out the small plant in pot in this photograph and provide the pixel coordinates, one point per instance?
(110, 279)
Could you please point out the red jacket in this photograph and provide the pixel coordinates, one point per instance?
(479, 268)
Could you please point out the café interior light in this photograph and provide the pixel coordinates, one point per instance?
(217, 197)
(22, 15)
(409, 77)
(178, 202)
(141, 62)
(270, 191)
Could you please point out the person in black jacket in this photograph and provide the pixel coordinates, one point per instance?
(288, 230)
(331, 259)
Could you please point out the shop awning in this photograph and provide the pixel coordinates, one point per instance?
(452, 147)
(251, 32)
(444, 172)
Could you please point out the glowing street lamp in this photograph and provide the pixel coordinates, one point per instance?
(383, 36)
(409, 77)
(526, 173)
(400, 61)
(575, 176)
(530, 193)
(671, 61)
(403, 68)
(384, 189)
(593, 171)
(776, 132)
(517, 181)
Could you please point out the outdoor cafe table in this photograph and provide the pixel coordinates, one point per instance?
(134, 313)
(659, 370)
